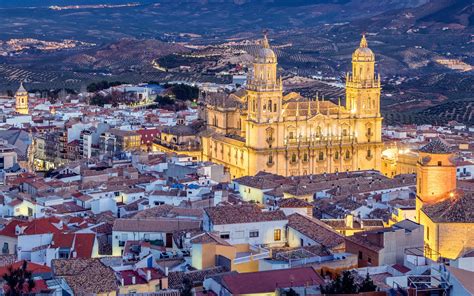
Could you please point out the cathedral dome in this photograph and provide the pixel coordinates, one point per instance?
(265, 54)
(363, 53)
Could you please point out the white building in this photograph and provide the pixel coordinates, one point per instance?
(246, 224)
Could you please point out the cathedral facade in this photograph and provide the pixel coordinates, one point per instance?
(261, 129)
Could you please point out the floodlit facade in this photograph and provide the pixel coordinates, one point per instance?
(21, 100)
(292, 135)
(444, 211)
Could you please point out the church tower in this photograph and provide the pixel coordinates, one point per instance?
(21, 97)
(264, 88)
(362, 86)
(436, 174)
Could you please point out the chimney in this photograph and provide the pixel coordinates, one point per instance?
(166, 271)
(148, 275)
(122, 282)
(134, 280)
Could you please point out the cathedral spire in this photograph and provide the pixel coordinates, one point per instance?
(363, 42)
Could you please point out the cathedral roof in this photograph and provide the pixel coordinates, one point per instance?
(363, 52)
(265, 54)
(436, 146)
(305, 107)
(223, 100)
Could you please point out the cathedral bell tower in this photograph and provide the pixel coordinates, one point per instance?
(21, 100)
(362, 86)
(264, 88)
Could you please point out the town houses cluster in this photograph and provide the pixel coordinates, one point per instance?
(242, 191)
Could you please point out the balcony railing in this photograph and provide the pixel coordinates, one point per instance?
(319, 140)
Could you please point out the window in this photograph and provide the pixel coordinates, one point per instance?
(360, 255)
(348, 154)
(270, 105)
(427, 233)
(336, 155)
(277, 235)
(344, 132)
(293, 157)
(225, 235)
(5, 249)
(369, 153)
(270, 159)
(290, 135)
(253, 233)
(321, 156)
(305, 157)
(369, 260)
(440, 163)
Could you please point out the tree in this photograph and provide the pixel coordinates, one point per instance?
(164, 100)
(187, 287)
(341, 285)
(18, 281)
(367, 285)
(346, 284)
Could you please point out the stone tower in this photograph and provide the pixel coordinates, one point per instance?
(21, 100)
(436, 174)
(362, 86)
(264, 88)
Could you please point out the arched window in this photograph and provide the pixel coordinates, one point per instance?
(348, 154)
(270, 159)
(369, 153)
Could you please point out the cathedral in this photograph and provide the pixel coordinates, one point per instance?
(263, 129)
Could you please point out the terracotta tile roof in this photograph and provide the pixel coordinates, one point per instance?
(169, 211)
(35, 269)
(457, 209)
(248, 213)
(10, 228)
(361, 239)
(209, 238)
(85, 276)
(293, 202)
(268, 281)
(315, 230)
(175, 278)
(67, 207)
(155, 225)
(43, 225)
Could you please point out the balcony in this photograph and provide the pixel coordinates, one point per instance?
(319, 141)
